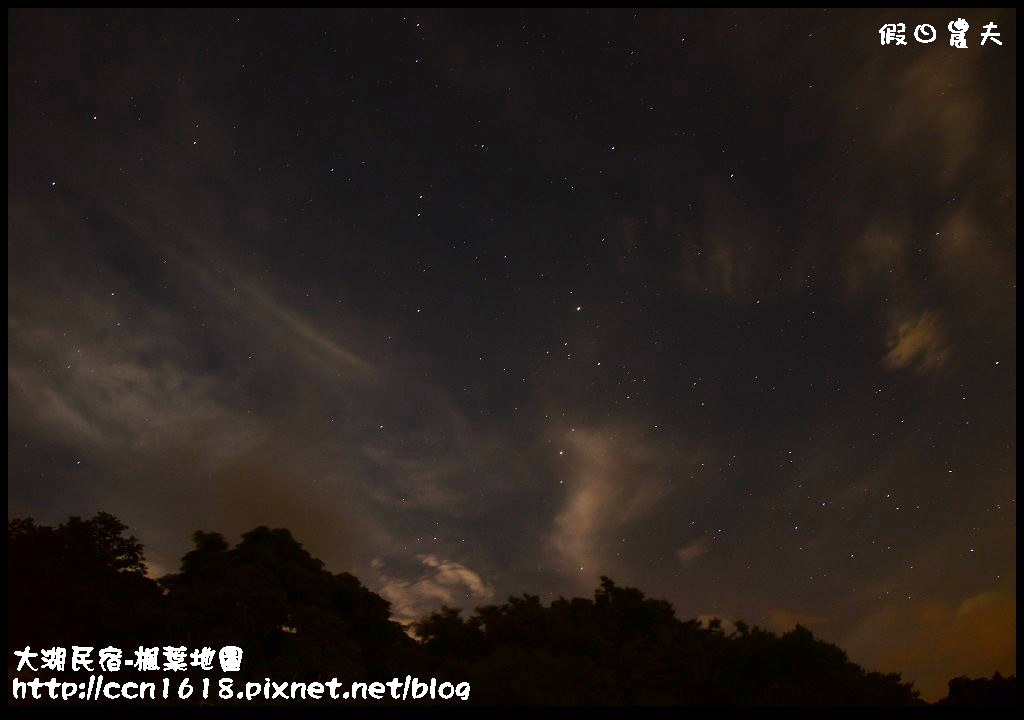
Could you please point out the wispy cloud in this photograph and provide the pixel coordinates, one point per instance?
(439, 582)
(693, 551)
(918, 342)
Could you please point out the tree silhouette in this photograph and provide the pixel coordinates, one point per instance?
(84, 582)
(81, 582)
(623, 648)
(997, 690)
(295, 619)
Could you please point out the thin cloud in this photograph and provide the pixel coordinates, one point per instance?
(919, 342)
(441, 582)
(693, 551)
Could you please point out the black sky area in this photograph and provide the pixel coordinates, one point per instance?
(718, 303)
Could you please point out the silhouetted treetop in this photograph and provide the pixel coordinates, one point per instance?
(624, 648)
(84, 582)
(81, 581)
(270, 595)
(997, 690)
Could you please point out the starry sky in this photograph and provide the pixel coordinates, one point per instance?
(720, 304)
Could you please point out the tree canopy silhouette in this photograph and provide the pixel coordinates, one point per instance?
(294, 618)
(997, 690)
(622, 648)
(84, 582)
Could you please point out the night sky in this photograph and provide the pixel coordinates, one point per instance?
(720, 304)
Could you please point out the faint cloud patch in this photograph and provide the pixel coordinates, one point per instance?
(918, 342)
(933, 642)
(785, 620)
(612, 479)
(706, 619)
(441, 582)
(693, 551)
